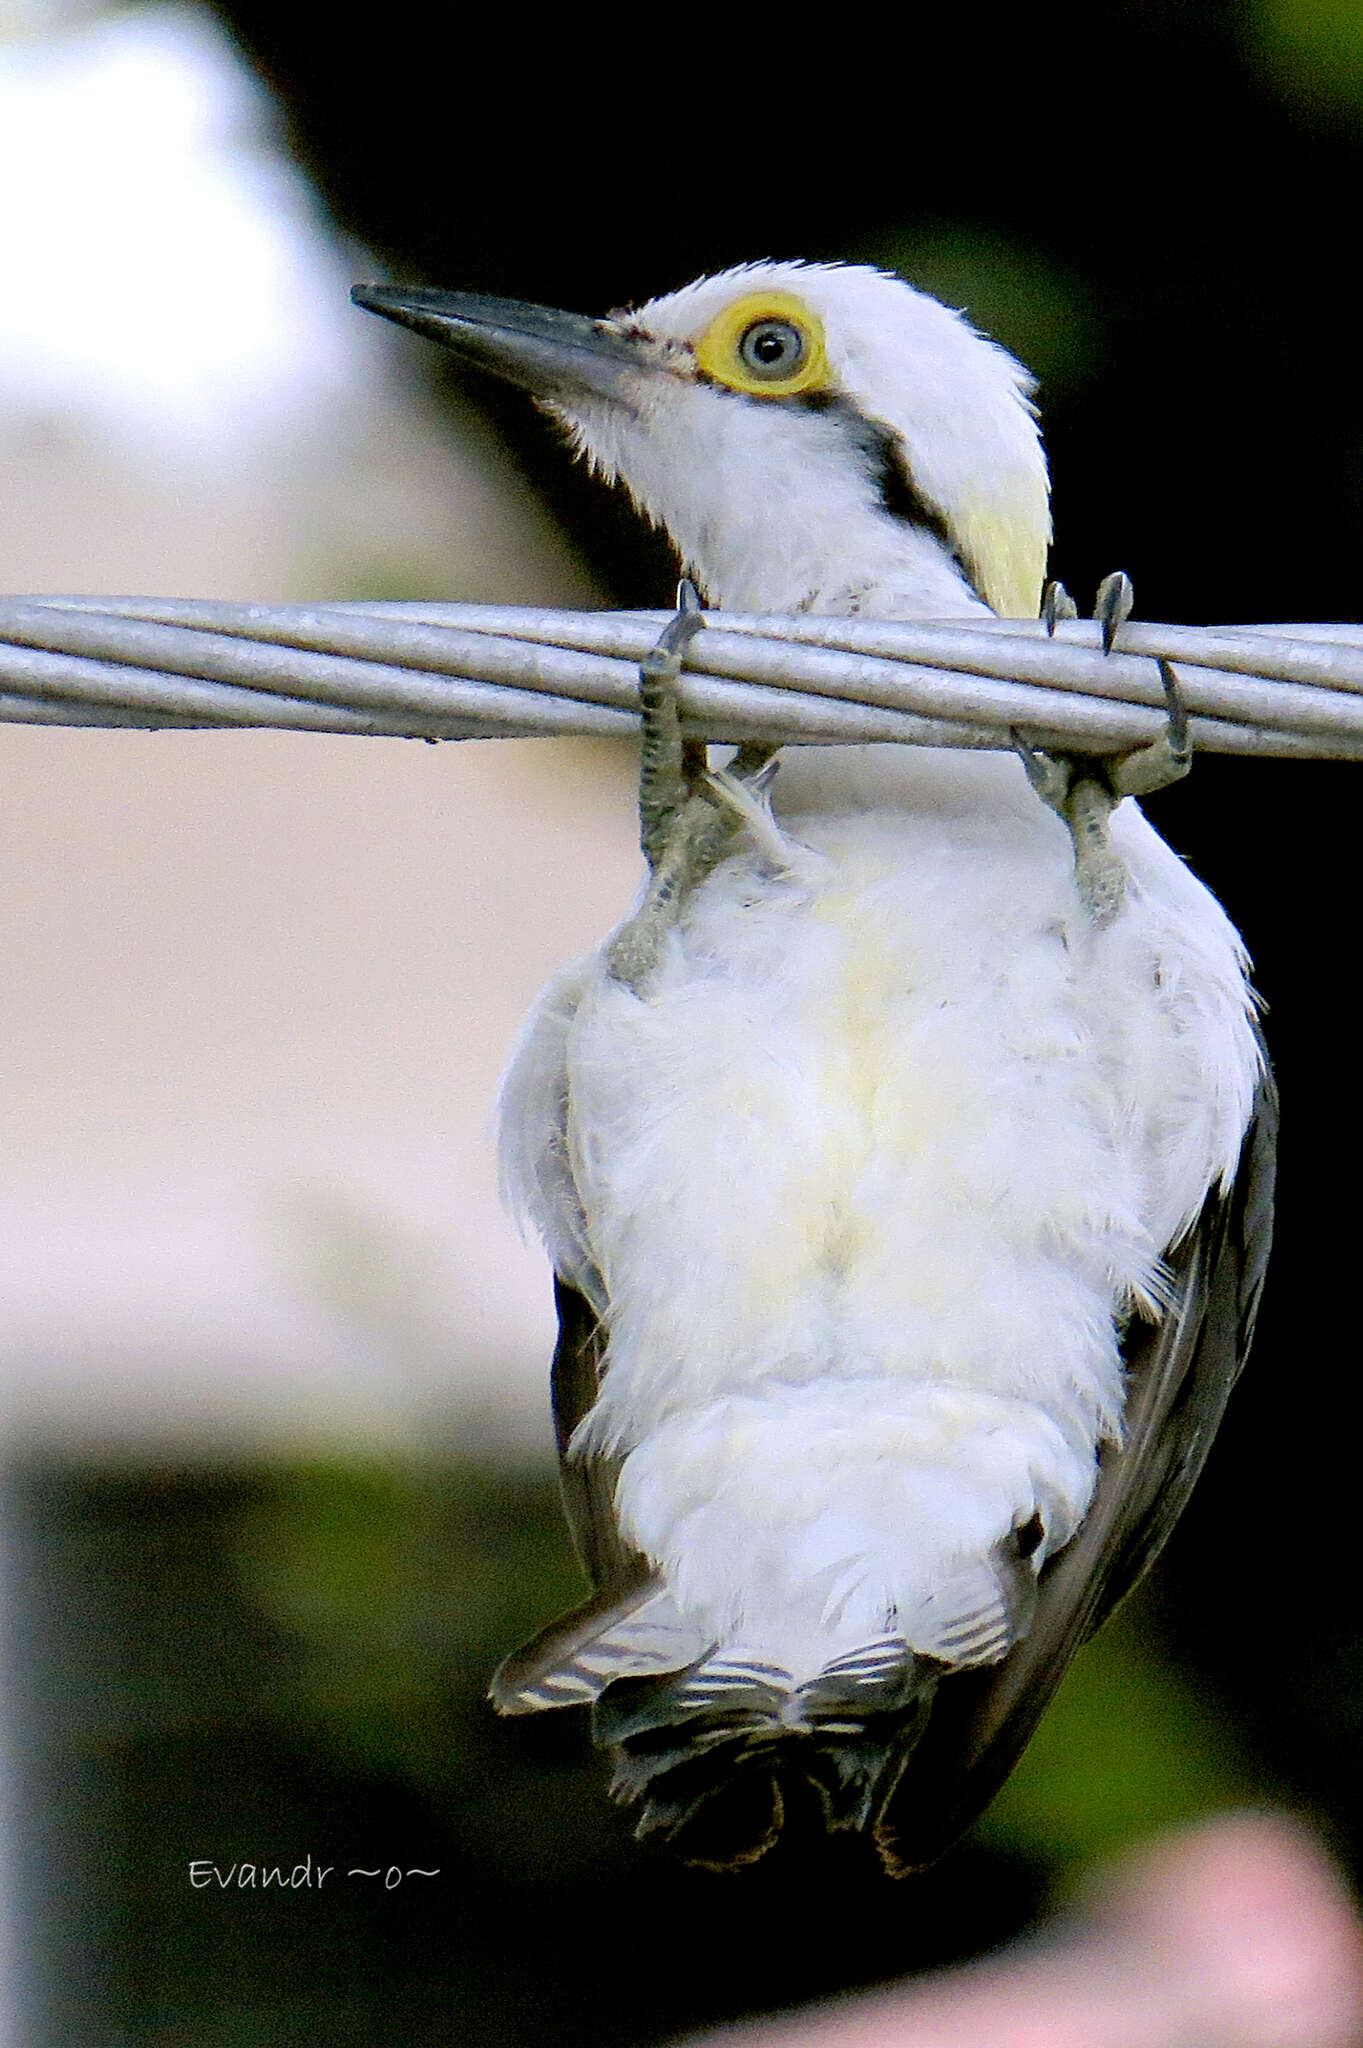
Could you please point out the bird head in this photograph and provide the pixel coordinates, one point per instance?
(813, 436)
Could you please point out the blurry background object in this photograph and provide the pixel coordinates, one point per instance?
(274, 1367)
(1239, 1931)
(247, 1071)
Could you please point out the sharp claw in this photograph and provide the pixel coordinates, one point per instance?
(676, 636)
(1057, 604)
(1166, 759)
(1180, 740)
(1112, 607)
(1029, 755)
(680, 630)
(1049, 777)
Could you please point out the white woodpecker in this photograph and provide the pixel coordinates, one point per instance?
(905, 1159)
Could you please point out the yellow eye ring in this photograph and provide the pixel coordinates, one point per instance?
(767, 345)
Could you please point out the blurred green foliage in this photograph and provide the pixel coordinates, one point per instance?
(396, 1581)
(399, 1587)
(1130, 1745)
(1312, 52)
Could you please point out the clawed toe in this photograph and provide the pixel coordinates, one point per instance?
(1084, 789)
(667, 762)
(688, 817)
(1166, 759)
(1049, 774)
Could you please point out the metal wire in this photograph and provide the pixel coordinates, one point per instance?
(459, 671)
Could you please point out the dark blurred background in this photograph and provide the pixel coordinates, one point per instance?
(260, 1657)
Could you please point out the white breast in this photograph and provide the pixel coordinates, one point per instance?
(866, 1179)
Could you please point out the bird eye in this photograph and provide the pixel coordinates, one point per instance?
(767, 344)
(772, 349)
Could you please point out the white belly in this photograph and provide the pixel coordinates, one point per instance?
(866, 1180)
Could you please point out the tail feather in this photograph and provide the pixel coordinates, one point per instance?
(710, 1756)
(710, 1748)
(614, 1637)
(719, 1812)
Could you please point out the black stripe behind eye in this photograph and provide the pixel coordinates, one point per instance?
(892, 478)
(903, 499)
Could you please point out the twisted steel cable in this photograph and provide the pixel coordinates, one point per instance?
(463, 671)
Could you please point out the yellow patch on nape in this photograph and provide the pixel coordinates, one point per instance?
(1005, 543)
(766, 345)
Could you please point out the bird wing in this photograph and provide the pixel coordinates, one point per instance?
(1179, 1376)
(629, 1626)
(588, 1483)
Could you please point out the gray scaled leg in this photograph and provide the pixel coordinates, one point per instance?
(1084, 788)
(685, 825)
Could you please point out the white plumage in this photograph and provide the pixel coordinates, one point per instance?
(869, 1180)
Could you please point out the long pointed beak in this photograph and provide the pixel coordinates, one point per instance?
(553, 355)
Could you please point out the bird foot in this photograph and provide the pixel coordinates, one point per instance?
(688, 816)
(1084, 789)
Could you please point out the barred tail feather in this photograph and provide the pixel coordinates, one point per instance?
(613, 1637)
(713, 1757)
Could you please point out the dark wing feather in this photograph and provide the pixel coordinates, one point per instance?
(1179, 1376)
(588, 1483)
(549, 1670)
